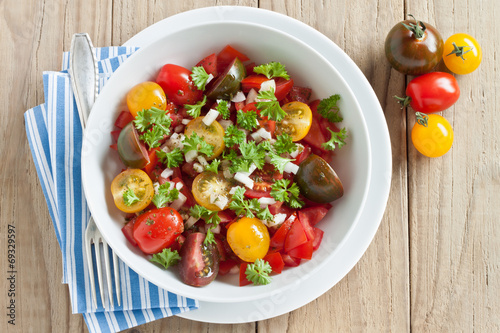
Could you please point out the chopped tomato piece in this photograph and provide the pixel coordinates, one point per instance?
(308, 229)
(153, 161)
(312, 215)
(295, 237)
(128, 231)
(303, 251)
(226, 266)
(123, 119)
(220, 247)
(227, 55)
(190, 202)
(315, 136)
(114, 146)
(318, 237)
(290, 261)
(283, 86)
(274, 259)
(303, 155)
(243, 277)
(209, 63)
(279, 237)
(115, 135)
(258, 192)
(300, 94)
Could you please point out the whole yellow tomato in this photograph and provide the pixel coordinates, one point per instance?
(462, 54)
(249, 239)
(432, 135)
(146, 95)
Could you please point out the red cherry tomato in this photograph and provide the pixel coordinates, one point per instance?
(177, 85)
(432, 92)
(157, 229)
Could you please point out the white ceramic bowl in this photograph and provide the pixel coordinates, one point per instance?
(186, 47)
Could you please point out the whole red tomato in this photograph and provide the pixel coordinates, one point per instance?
(177, 85)
(413, 47)
(432, 92)
(157, 229)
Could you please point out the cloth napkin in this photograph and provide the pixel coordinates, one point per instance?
(55, 138)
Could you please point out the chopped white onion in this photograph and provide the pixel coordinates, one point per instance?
(268, 85)
(190, 222)
(177, 203)
(244, 179)
(179, 186)
(227, 174)
(291, 168)
(225, 123)
(264, 134)
(239, 97)
(198, 167)
(256, 136)
(209, 78)
(185, 121)
(251, 96)
(179, 128)
(221, 202)
(167, 173)
(156, 186)
(202, 160)
(174, 136)
(209, 118)
(233, 189)
(296, 152)
(190, 156)
(278, 219)
(264, 201)
(216, 230)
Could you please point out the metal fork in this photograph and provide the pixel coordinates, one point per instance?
(84, 81)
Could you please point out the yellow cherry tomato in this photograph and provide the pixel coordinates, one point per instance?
(436, 138)
(146, 95)
(213, 134)
(462, 54)
(132, 190)
(297, 121)
(210, 188)
(249, 239)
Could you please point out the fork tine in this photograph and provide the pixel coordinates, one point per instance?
(117, 278)
(108, 270)
(99, 270)
(90, 266)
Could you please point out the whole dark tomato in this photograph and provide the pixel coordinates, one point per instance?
(432, 92)
(177, 85)
(413, 47)
(157, 229)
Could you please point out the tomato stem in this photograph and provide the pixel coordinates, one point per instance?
(459, 51)
(422, 118)
(417, 29)
(404, 101)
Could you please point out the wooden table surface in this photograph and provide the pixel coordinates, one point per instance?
(433, 265)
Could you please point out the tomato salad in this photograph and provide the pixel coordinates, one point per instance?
(226, 168)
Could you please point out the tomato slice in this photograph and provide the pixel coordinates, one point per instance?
(209, 187)
(318, 237)
(254, 81)
(227, 55)
(295, 237)
(209, 63)
(312, 215)
(132, 190)
(226, 265)
(128, 232)
(290, 261)
(278, 239)
(303, 251)
(123, 119)
(276, 261)
(243, 277)
(157, 229)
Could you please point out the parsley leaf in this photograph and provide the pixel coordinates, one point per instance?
(129, 197)
(165, 195)
(238, 163)
(248, 208)
(233, 136)
(253, 154)
(199, 77)
(290, 195)
(196, 142)
(328, 109)
(284, 144)
(166, 258)
(247, 120)
(272, 69)
(172, 159)
(155, 123)
(223, 109)
(270, 107)
(279, 162)
(210, 217)
(265, 215)
(337, 138)
(258, 272)
(214, 166)
(195, 110)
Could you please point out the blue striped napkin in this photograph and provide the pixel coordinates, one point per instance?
(55, 138)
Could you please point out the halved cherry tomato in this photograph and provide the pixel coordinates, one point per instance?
(157, 229)
(249, 239)
(413, 47)
(435, 139)
(276, 261)
(132, 151)
(228, 83)
(139, 183)
(213, 134)
(297, 121)
(462, 54)
(432, 92)
(177, 84)
(254, 81)
(295, 237)
(146, 95)
(209, 187)
(199, 264)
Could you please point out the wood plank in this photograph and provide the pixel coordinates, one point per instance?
(454, 234)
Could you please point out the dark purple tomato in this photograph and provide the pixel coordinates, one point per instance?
(317, 180)
(199, 263)
(414, 47)
(131, 150)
